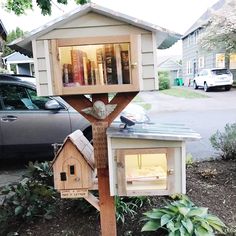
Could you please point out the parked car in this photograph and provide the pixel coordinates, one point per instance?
(209, 78)
(30, 124)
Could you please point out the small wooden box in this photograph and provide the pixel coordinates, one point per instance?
(148, 160)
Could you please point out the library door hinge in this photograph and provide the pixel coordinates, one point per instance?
(115, 158)
(116, 186)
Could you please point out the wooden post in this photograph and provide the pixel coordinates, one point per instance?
(106, 202)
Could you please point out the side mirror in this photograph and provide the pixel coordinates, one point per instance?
(52, 105)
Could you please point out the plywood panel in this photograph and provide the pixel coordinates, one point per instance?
(41, 64)
(149, 84)
(92, 32)
(148, 72)
(42, 90)
(40, 48)
(147, 45)
(43, 77)
(92, 20)
(147, 59)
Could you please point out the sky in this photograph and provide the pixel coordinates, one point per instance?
(174, 15)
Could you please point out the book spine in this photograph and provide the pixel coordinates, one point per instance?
(110, 64)
(100, 67)
(118, 64)
(77, 67)
(125, 67)
(85, 68)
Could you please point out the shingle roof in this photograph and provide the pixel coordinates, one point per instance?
(204, 17)
(166, 37)
(3, 31)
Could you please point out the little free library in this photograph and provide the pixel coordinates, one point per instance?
(84, 56)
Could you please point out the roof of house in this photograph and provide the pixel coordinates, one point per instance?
(165, 38)
(17, 57)
(205, 17)
(169, 62)
(3, 31)
(82, 145)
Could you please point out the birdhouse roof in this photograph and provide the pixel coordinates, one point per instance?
(82, 145)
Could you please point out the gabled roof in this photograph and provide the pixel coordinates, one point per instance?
(17, 57)
(82, 145)
(205, 17)
(165, 37)
(170, 63)
(3, 31)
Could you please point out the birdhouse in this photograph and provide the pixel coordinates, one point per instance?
(73, 166)
(94, 49)
(148, 159)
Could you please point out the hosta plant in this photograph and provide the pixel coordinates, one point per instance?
(183, 218)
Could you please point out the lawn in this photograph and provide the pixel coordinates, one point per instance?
(183, 92)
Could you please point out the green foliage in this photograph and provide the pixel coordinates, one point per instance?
(183, 218)
(225, 142)
(20, 6)
(127, 206)
(14, 34)
(164, 81)
(29, 198)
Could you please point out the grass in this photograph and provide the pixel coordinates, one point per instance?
(184, 93)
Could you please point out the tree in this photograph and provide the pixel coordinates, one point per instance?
(14, 34)
(20, 6)
(220, 30)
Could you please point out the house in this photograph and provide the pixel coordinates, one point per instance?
(92, 24)
(194, 58)
(172, 65)
(73, 165)
(3, 37)
(24, 64)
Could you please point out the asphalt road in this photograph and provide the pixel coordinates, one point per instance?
(204, 115)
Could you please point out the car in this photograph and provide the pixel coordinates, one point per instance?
(210, 78)
(30, 124)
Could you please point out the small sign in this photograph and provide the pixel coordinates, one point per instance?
(74, 193)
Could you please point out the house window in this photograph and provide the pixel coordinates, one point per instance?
(189, 67)
(201, 62)
(232, 64)
(220, 60)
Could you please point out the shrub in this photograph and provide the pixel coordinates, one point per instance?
(29, 198)
(182, 217)
(225, 142)
(164, 81)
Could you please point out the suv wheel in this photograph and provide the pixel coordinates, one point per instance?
(227, 87)
(206, 89)
(195, 85)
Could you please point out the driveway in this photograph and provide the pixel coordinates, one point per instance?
(204, 115)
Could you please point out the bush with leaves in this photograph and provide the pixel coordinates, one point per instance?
(182, 218)
(127, 206)
(32, 197)
(164, 81)
(225, 142)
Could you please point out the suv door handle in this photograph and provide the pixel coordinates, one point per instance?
(9, 118)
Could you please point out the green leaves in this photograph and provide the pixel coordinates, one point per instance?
(183, 218)
(20, 6)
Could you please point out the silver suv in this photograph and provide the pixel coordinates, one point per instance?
(29, 124)
(209, 78)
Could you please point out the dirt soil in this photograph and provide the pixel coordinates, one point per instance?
(209, 184)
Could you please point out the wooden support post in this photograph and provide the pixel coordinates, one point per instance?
(106, 202)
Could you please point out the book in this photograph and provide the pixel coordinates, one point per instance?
(110, 67)
(77, 67)
(100, 67)
(125, 66)
(118, 63)
(85, 68)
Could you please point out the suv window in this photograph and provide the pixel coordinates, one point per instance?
(13, 97)
(220, 71)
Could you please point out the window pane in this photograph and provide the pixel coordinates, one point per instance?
(103, 64)
(146, 171)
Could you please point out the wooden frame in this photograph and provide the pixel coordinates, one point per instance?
(122, 178)
(135, 65)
